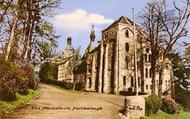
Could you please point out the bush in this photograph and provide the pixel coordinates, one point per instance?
(15, 78)
(22, 86)
(8, 89)
(80, 86)
(32, 83)
(152, 104)
(170, 106)
(48, 71)
(182, 97)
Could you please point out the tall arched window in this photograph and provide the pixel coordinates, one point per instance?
(150, 56)
(139, 83)
(146, 73)
(150, 73)
(127, 33)
(126, 62)
(132, 81)
(145, 57)
(90, 82)
(124, 80)
(126, 47)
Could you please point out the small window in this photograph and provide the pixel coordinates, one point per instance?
(90, 70)
(126, 47)
(127, 33)
(146, 87)
(146, 73)
(147, 50)
(166, 83)
(124, 80)
(132, 81)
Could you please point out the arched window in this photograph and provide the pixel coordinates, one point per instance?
(150, 56)
(150, 73)
(139, 83)
(145, 57)
(124, 80)
(146, 73)
(147, 50)
(126, 47)
(127, 33)
(126, 62)
(132, 81)
(90, 82)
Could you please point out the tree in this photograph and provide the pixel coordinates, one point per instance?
(27, 18)
(182, 75)
(164, 28)
(48, 71)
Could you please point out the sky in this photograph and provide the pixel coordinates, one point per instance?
(74, 18)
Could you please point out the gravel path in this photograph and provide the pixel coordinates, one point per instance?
(55, 103)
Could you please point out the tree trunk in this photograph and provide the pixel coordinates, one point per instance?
(153, 71)
(11, 38)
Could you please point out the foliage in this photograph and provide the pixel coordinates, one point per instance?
(48, 71)
(169, 105)
(162, 115)
(7, 106)
(65, 85)
(165, 24)
(182, 97)
(7, 89)
(181, 73)
(15, 78)
(152, 104)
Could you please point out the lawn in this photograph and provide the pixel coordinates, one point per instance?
(162, 115)
(7, 106)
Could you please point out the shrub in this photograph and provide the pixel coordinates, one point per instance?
(32, 83)
(48, 71)
(182, 97)
(80, 86)
(170, 106)
(152, 104)
(8, 89)
(22, 86)
(14, 78)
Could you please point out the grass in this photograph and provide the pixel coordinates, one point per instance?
(8, 106)
(162, 115)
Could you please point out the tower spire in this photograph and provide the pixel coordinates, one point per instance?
(92, 34)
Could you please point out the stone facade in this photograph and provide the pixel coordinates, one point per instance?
(110, 65)
(65, 70)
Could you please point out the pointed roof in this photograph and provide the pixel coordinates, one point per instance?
(122, 19)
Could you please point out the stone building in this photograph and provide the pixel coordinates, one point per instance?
(109, 67)
(65, 69)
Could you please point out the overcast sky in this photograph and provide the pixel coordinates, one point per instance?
(75, 18)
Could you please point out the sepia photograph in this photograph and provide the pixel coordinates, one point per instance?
(94, 59)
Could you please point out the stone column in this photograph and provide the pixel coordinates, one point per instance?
(100, 68)
(93, 72)
(106, 80)
(116, 82)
